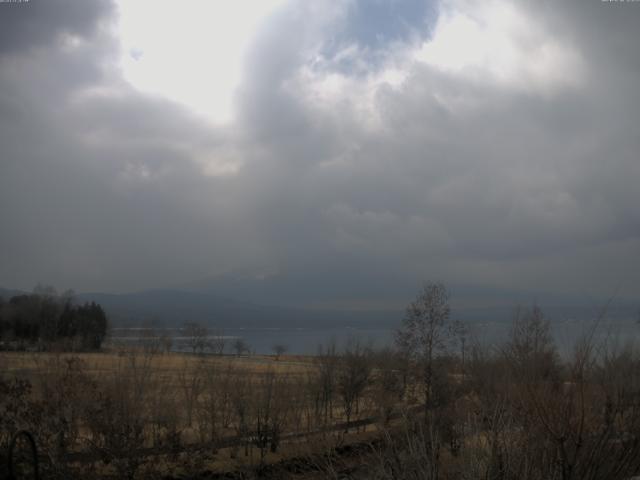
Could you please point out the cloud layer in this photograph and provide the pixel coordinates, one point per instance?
(370, 148)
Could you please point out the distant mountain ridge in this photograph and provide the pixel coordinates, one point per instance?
(7, 293)
(173, 307)
(169, 307)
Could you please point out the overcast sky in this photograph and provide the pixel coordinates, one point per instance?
(370, 144)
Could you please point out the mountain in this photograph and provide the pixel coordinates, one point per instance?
(215, 303)
(174, 307)
(7, 293)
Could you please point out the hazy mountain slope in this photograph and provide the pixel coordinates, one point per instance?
(173, 307)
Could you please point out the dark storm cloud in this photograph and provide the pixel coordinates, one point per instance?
(337, 179)
(98, 184)
(505, 184)
(36, 23)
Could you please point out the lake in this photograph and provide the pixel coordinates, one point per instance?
(305, 341)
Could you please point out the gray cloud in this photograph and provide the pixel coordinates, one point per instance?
(38, 23)
(359, 190)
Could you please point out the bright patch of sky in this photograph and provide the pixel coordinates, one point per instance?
(190, 51)
(491, 43)
(193, 52)
(495, 41)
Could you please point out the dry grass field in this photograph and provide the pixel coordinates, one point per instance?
(127, 412)
(30, 364)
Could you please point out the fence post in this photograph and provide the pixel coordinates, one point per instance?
(34, 451)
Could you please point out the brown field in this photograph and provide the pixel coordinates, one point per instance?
(30, 364)
(515, 412)
(226, 413)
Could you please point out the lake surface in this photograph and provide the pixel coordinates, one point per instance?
(305, 341)
(302, 341)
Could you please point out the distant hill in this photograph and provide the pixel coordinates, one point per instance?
(7, 293)
(174, 307)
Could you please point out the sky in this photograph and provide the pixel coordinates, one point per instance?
(355, 147)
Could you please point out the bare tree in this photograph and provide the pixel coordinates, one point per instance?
(388, 382)
(426, 333)
(326, 374)
(241, 417)
(240, 346)
(541, 418)
(425, 336)
(190, 382)
(353, 377)
(215, 408)
(119, 413)
(148, 339)
(530, 348)
(218, 342)
(196, 336)
(271, 405)
(279, 349)
(166, 342)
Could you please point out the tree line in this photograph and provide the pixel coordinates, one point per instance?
(44, 319)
